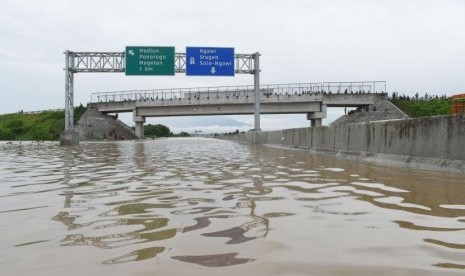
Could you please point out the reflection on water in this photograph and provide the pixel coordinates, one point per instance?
(183, 204)
(214, 260)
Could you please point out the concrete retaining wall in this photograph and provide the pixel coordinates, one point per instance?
(440, 137)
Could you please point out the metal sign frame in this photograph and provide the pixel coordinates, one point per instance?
(114, 62)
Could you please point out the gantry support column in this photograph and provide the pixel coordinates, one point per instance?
(139, 121)
(257, 91)
(69, 137)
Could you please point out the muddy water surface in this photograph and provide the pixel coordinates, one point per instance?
(210, 207)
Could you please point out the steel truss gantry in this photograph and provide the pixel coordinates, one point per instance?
(114, 62)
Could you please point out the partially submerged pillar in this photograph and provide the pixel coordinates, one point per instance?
(139, 121)
(257, 92)
(69, 137)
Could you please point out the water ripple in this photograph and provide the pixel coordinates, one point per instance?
(214, 203)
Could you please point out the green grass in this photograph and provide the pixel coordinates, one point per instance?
(423, 107)
(44, 125)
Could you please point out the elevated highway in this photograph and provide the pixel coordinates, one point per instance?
(311, 99)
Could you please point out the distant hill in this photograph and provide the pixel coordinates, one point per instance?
(201, 121)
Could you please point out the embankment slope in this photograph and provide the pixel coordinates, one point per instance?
(94, 125)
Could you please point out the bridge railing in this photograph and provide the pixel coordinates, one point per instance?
(240, 91)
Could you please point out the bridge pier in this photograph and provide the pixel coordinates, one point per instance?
(139, 121)
(316, 122)
(316, 118)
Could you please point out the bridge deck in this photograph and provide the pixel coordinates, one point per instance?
(237, 103)
(227, 100)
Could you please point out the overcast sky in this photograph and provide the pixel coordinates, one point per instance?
(414, 45)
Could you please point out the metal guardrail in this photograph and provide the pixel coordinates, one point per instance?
(271, 89)
(40, 111)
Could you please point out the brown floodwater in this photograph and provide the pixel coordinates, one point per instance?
(200, 206)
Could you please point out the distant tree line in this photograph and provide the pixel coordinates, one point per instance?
(159, 130)
(416, 97)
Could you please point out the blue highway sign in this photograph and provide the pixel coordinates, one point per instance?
(209, 61)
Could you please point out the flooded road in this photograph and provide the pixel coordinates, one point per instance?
(210, 207)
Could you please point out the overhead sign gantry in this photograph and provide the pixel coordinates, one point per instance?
(158, 61)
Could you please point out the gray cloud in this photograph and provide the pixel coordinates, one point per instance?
(416, 45)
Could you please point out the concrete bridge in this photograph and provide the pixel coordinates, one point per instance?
(311, 99)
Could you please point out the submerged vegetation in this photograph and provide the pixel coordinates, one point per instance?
(417, 106)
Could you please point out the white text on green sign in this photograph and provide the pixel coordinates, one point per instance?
(149, 60)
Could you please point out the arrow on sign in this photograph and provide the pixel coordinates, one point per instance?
(131, 52)
(213, 71)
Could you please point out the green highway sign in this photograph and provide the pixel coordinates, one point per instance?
(144, 61)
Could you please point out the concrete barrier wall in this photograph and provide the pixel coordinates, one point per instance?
(440, 137)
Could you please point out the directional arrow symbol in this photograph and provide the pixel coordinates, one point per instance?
(213, 71)
(131, 52)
